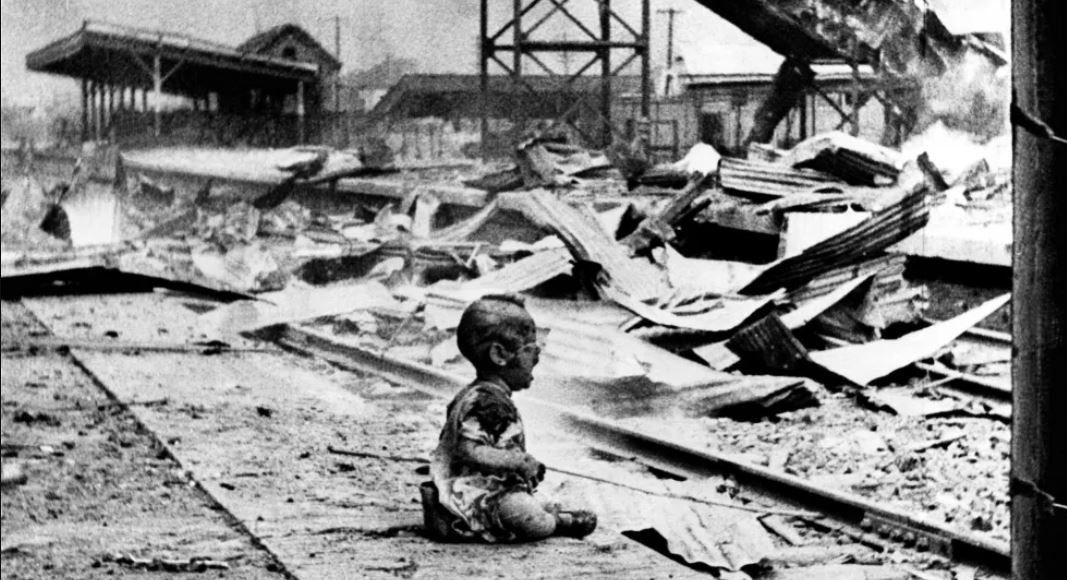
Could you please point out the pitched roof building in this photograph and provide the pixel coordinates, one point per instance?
(282, 71)
(291, 42)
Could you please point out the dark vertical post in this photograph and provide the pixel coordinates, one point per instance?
(646, 60)
(855, 111)
(337, 53)
(110, 105)
(789, 86)
(516, 64)
(85, 110)
(101, 117)
(484, 50)
(300, 112)
(605, 73)
(814, 115)
(92, 111)
(738, 104)
(157, 90)
(670, 36)
(1039, 310)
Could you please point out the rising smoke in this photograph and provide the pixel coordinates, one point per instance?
(972, 96)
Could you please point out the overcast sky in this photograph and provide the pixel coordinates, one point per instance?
(441, 35)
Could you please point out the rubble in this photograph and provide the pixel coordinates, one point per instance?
(864, 363)
(854, 160)
(547, 163)
(861, 241)
(644, 317)
(618, 273)
(762, 180)
(840, 284)
(659, 228)
(294, 304)
(843, 285)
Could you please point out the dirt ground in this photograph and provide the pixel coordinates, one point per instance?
(98, 486)
(224, 457)
(951, 470)
(253, 429)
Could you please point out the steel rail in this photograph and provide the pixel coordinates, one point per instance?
(670, 456)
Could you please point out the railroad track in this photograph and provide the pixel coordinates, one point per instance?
(864, 520)
(996, 388)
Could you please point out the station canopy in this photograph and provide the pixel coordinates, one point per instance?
(126, 56)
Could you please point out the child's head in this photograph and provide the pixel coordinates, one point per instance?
(499, 338)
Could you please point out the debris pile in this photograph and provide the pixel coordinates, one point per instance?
(656, 286)
(658, 266)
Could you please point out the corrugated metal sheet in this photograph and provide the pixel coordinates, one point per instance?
(853, 167)
(860, 242)
(706, 276)
(526, 273)
(578, 349)
(579, 229)
(888, 271)
(462, 230)
(169, 262)
(863, 363)
(889, 299)
(736, 213)
(719, 356)
(721, 314)
(807, 310)
(597, 366)
(769, 343)
(849, 158)
(854, 195)
(620, 375)
(773, 180)
(697, 532)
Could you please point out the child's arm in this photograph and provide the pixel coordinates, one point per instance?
(489, 459)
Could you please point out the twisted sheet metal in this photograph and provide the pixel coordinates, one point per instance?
(526, 273)
(579, 229)
(856, 161)
(774, 180)
(860, 242)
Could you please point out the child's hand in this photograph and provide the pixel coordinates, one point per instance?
(532, 470)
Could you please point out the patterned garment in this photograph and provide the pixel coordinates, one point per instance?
(484, 413)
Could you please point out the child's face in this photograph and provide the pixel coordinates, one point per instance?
(518, 374)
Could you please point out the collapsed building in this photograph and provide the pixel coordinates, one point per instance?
(929, 64)
(742, 286)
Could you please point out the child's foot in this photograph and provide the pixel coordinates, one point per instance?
(575, 524)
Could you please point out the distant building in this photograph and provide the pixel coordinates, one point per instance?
(262, 92)
(454, 96)
(291, 42)
(712, 94)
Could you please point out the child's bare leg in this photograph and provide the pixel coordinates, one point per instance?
(524, 516)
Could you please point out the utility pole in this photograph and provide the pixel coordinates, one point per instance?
(337, 53)
(1038, 481)
(671, 13)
